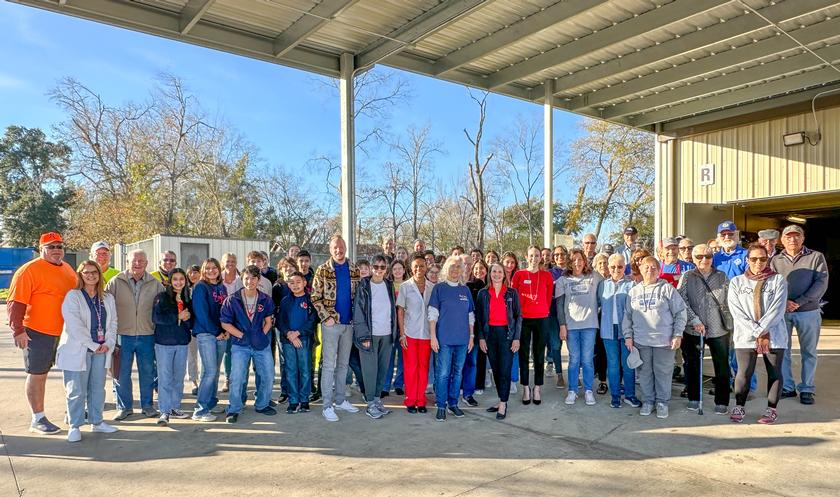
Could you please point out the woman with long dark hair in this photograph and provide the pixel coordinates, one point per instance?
(172, 318)
(475, 366)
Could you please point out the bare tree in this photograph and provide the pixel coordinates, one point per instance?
(477, 168)
(390, 196)
(416, 151)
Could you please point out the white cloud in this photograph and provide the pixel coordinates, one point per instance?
(11, 82)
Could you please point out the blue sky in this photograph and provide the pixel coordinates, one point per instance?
(283, 111)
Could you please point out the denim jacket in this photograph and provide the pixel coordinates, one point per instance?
(363, 315)
(612, 294)
(514, 314)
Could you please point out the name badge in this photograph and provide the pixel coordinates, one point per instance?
(527, 282)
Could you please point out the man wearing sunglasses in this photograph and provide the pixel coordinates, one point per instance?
(34, 306)
(732, 257)
(806, 273)
(168, 261)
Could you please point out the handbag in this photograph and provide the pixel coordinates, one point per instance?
(725, 315)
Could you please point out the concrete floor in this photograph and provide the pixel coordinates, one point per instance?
(552, 449)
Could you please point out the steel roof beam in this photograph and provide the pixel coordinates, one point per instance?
(735, 97)
(436, 18)
(779, 12)
(191, 14)
(533, 24)
(675, 11)
(167, 24)
(308, 24)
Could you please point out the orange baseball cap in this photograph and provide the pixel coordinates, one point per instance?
(50, 237)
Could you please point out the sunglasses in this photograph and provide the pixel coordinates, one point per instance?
(702, 256)
(55, 247)
(379, 267)
(688, 247)
(757, 259)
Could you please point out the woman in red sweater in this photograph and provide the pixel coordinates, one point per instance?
(535, 286)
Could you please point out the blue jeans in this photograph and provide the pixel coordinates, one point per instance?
(617, 369)
(211, 352)
(807, 324)
(448, 368)
(398, 381)
(468, 373)
(432, 362)
(581, 345)
(143, 347)
(86, 389)
(514, 373)
(240, 358)
(297, 361)
(284, 383)
(172, 366)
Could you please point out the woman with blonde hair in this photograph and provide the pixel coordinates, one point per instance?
(84, 350)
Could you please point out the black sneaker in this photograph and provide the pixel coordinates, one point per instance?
(384, 394)
(470, 400)
(282, 399)
(232, 418)
(411, 410)
(806, 398)
(399, 391)
(304, 407)
(44, 427)
(788, 394)
(267, 410)
(315, 397)
(422, 409)
(292, 409)
(602, 388)
(441, 414)
(456, 411)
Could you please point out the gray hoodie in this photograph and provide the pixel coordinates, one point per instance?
(654, 314)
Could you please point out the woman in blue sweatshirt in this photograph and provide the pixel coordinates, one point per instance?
(171, 315)
(296, 326)
(207, 298)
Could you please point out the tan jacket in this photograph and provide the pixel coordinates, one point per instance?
(134, 317)
(324, 288)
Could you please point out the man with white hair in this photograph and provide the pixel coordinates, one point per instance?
(768, 239)
(732, 257)
(134, 291)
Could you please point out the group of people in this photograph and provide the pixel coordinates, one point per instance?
(422, 323)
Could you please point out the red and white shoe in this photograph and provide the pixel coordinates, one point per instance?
(737, 414)
(769, 416)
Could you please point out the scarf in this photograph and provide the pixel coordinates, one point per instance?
(762, 276)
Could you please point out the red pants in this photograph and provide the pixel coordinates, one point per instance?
(416, 370)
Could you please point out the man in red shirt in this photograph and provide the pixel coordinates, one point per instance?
(34, 305)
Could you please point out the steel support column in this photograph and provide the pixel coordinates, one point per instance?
(348, 155)
(548, 160)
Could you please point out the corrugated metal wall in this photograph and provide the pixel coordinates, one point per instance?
(216, 247)
(751, 161)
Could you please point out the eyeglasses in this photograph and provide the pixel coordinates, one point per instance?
(379, 267)
(617, 267)
(169, 260)
(687, 247)
(757, 259)
(700, 257)
(55, 247)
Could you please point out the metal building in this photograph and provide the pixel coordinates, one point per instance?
(189, 249)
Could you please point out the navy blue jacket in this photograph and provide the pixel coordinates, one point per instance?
(233, 312)
(514, 314)
(165, 317)
(207, 301)
(296, 314)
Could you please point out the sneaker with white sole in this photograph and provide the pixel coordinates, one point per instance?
(693, 405)
(204, 418)
(571, 397)
(549, 370)
(178, 414)
(103, 427)
(381, 408)
(721, 410)
(347, 407)
(661, 410)
(74, 435)
(329, 414)
(373, 412)
(590, 398)
(646, 410)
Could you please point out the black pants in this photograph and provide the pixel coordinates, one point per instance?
(534, 334)
(501, 360)
(719, 348)
(600, 358)
(480, 369)
(355, 365)
(746, 367)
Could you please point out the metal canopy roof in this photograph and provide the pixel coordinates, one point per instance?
(654, 64)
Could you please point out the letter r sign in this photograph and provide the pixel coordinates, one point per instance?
(707, 174)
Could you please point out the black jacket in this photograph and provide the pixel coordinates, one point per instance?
(514, 314)
(363, 315)
(165, 316)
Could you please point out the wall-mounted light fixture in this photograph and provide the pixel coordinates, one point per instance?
(799, 137)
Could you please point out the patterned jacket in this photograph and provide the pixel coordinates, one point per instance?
(324, 288)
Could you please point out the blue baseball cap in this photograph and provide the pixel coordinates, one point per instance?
(726, 226)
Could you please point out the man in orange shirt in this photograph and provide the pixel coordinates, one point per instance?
(34, 304)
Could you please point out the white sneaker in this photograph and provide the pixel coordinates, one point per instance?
(590, 398)
(74, 435)
(347, 406)
(646, 410)
(661, 410)
(513, 388)
(549, 370)
(204, 418)
(103, 427)
(479, 392)
(329, 414)
(571, 397)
